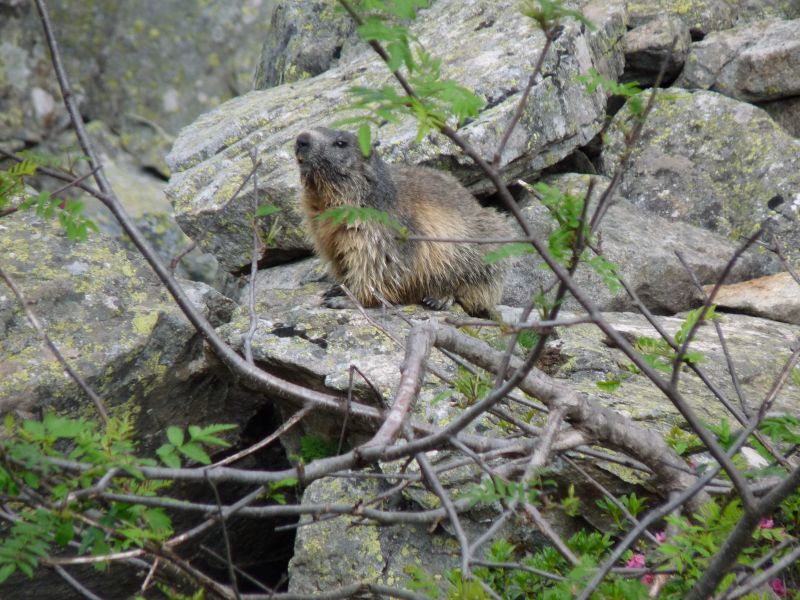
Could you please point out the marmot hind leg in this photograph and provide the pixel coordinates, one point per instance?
(479, 299)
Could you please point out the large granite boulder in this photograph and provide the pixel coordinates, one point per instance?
(711, 161)
(132, 64)
(491, 49)
(305, 38)
(756, 62)
(643, 247)
(113, 321)
(701, 16)
(649, 45)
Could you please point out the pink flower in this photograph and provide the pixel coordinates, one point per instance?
(661, 537)
(766, 524)
(636, 562)
(778, 587)
(648, 579)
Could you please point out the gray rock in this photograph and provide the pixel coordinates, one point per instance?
(305, 39)
(363, 552)
(30, 101)
(649, 45)
(710, 161)
(701, 16)
(141, 193)
(757, 62)
(775, 297)
(315, 346)
(758, 349)
(145, 59)
(786, 113)
(488, 48)
(325, 549)
(758, 10)
(115, 324)
(643, 248)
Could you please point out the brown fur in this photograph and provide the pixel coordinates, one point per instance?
(366, 257)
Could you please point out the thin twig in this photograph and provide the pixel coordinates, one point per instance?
(226, 541)
(247, 343)
(290, 422)
(75, 584)
(241, 572)
(549, 35)
(757, 581)
(200, 235)
(450, 510)
(33, 319)
(609, 496)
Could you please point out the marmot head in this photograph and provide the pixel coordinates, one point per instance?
(332, 164)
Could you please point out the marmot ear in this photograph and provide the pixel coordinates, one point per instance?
(373, 154)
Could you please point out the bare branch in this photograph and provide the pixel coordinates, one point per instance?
(226, 541)
(75, 584)
(762, 578)
(34, 321)
(449, 508)
(418, 348)
(288, 424)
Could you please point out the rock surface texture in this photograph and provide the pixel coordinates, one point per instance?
(644, 247)
(756, 62)
(650, 44)
(709, 169)
(112, 320)
(711, 161)
(487, 48)
(775, 297)
(132, 63)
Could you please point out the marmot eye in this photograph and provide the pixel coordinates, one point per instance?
(340, 144)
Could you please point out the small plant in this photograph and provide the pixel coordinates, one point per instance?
(435, 100)
(69, 211)
(350, 215)
(313, 447)
(45, 500)
(192, 448)
(473, 386)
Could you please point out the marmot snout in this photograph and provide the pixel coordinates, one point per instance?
(366, 256)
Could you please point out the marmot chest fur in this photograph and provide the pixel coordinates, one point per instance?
(366, 256)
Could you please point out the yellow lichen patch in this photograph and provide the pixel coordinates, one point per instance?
(144, 323)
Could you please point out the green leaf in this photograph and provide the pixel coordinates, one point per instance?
(507, 251)
(168, 456)
(282, 483)
(365, 139)
(175, 436)
(158, 521)
(441, 396)
(31, 479)
(64, 533)
(266, 209)
(351, 215)
(313, 447)
(609, 385)
(7, 571)
(607, 271)
(26, 568)
(61, 427)
(34, 428)
(527, 339)
(195, 452)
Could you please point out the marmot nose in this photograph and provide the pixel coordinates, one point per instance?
(303, 143)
